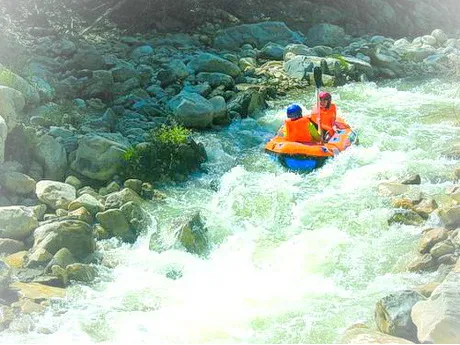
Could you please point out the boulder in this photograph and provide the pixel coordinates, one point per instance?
(55, 194)
(88, 202)
(16, 223)
(450, 216)
(118, 199)
(192, 110)
(207, 62)
(114, 221)
(192, 234)
(257, 34)
(63, 257)
(37, 292)
(81, 272)
(98, 158)
(52, 156)
(74, 235)
(392, 314)
(17, 183)
(430, 237)
(438, 318)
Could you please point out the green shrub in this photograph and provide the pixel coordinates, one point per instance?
(169, 154)
(343, 64)
(174, 134)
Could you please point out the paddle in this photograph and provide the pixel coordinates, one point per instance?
(317, 75)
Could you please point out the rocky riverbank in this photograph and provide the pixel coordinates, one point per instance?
(79, 110)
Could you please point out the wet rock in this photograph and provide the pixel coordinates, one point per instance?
(425, 208)
(133, 184)
(422, 263)
(392, 314)
(448, 259)
(442, 248)
(430, 237)
(192, 235)
(192, 110)
(37, 292)
(407, 217)
(402, 203)
(413, 179)
(62, 258)
(115, 222)
(81, 272)
(50, 280)
(38, 258)
(427, 289)
(137, 218)
(118, 199)
(392, 188)
(450, 216)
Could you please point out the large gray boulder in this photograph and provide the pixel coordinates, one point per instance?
(17, 183)
(192, 109)
(16, 222)
(257, 35)
(392, 314)
(98, 158)
(55, 194)
(52, 156)
(212, 63)
(74, 235)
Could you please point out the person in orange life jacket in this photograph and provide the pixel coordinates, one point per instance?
(298, 128)
(328, 114)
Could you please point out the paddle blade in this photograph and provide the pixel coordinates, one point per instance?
(318, 76)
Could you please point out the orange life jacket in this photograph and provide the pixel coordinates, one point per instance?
(298, 130)
(327, 117)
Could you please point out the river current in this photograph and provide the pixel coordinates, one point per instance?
(296, 258)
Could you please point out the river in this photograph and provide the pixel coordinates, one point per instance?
(296, 258)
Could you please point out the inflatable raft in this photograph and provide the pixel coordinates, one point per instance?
(308, 156)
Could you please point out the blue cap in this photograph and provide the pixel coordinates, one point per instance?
(294, 111)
